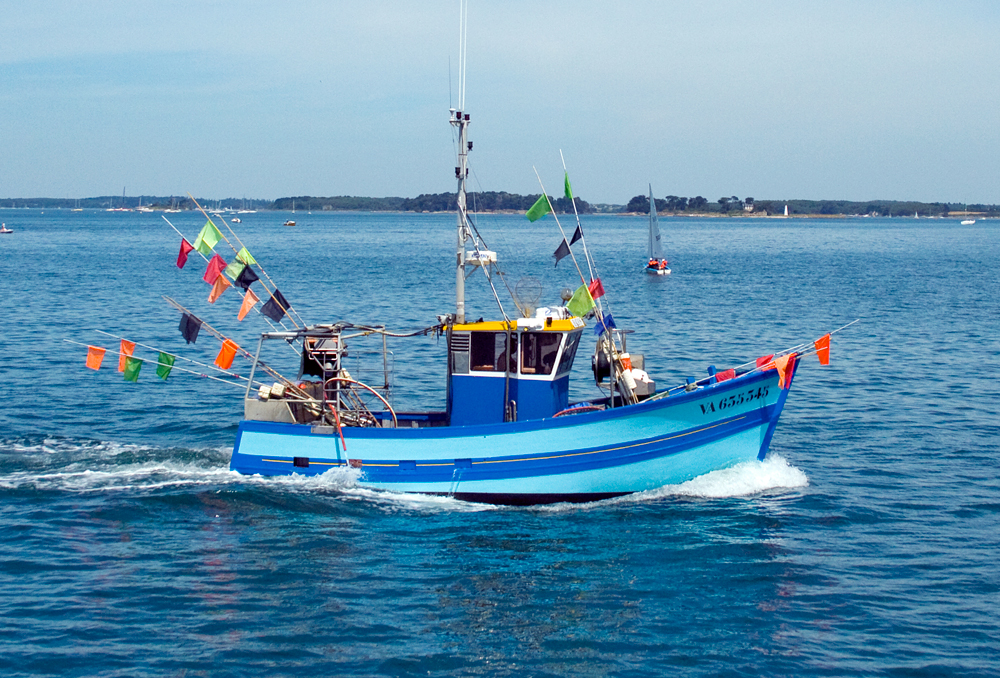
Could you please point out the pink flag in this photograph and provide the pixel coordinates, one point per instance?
(215, 268)
(182, 258)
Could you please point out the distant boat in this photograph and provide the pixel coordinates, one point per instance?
(968, 222)
(786, 210)
(236, 220)
(657, 264)
(4, 229)
(289, 223)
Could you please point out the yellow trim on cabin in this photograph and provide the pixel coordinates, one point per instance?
(503, 326)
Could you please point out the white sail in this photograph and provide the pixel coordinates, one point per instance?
(655, 251)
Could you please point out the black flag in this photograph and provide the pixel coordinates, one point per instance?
(562, 251)
(246, 277)
(189, 328)
(577, 235)
(275, 307)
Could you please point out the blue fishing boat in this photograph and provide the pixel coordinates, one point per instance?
(508, 434)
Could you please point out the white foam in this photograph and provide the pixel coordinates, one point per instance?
(748, 478)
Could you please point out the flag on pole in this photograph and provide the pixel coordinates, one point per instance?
(245, 256)
(596, 288)
(220, 286)
(249, 301)
(166, 363)
(539, 209)
(95, 356)
(822, 346)
(186, 248)
(569, 189)
(207, 239)
(234, 269)
(577, 235)
(214, 269)
(246, 277)
(581, 303)
(784, 365)
(725, 375)
(127, 347)
(605, 324)
(132, 367)
(226, 354)
(275, 307)
(189, 328)
(764, 360)
(562, 251)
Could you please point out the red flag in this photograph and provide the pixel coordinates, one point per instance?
(822, 346)
(226, 354)
(763, 361)
(725, 375)
(596, 288)
(95, 355)
(125, 352)
(220, 286)
(182, 258)
(249, 301)
(215, 268)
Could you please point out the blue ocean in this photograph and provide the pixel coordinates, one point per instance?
(866, 544)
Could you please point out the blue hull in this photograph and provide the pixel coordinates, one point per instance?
(582, 457)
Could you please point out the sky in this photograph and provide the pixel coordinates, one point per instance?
(853, 100)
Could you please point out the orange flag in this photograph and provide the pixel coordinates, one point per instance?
(249, 301)
(125, 352)
(220, 286)
(95, 355)
(226, 354)
(822, 346)
(784, 365)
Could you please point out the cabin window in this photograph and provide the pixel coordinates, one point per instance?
(487, 352)
(569, 353)
(539, 351)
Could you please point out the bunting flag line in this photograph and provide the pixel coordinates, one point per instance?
(95, 356)
(207, 239)
(581, 303)
(234, 269)
(186, 248)
(244, 256)
(249, 301)
(127, 348)
(784, 365)
(561, 252)
(214, 269)
(226, 354)
(606, 324)
(569, 189)
(246, 277)
(822, 346)
(166, 364)
(220, 286)
(577, 235)
(539, 209)
(189, 328)
(276, 306)
(764, 360)
(132, 367)
(725, 375)
(596, 288)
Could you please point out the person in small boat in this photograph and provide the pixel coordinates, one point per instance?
(657, 264)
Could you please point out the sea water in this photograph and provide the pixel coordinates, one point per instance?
(867, 542)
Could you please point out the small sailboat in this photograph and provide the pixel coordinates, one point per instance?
(967, 221)
(289, 223)
(657, 265)
(4, 229)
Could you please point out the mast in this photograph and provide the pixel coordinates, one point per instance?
(461, 121)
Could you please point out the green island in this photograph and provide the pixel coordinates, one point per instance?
(503, 202)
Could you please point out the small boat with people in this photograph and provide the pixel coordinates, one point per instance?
(4, 230)
(657, 264)
(289, 223)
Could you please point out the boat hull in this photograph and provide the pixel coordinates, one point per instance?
(658, 271)
(582, 457)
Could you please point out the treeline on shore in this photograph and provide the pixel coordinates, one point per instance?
(501, 201)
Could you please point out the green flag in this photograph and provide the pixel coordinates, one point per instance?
(132, 366)
(208, 238)
(234, 269)
(166, 364)
(569, 189)
(581, 303)
(245, 256)
(539, 209)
